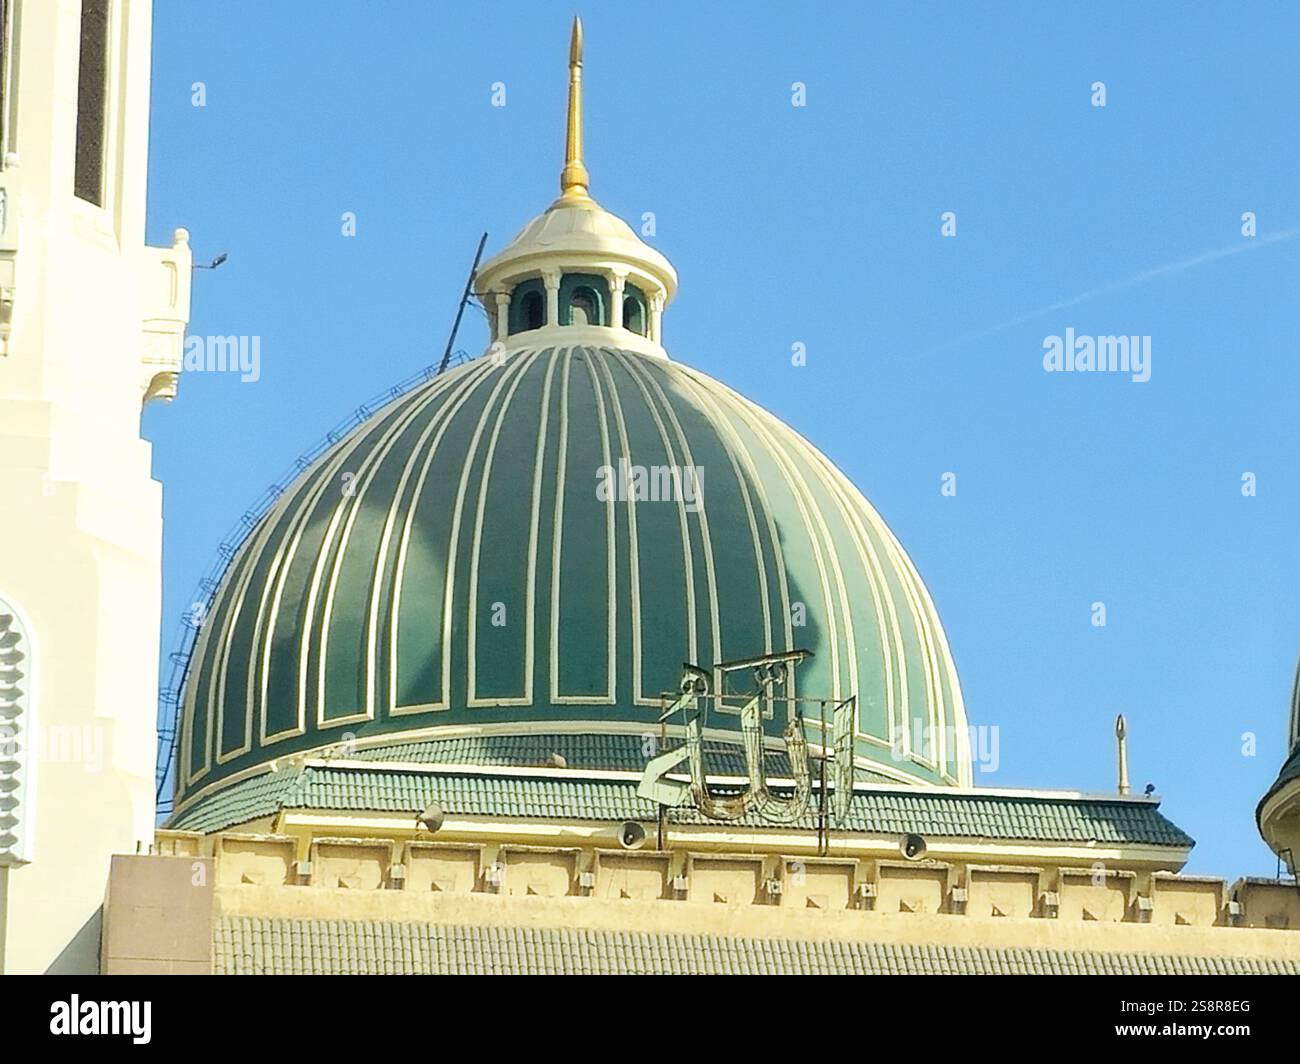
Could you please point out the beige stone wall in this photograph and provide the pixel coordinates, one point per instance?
(441, 869)
(810, 883)
(1098, 894)
(998, 892)
(753, 895)
(350, 864)
(634, 876)
(256, 860)
(1267, 904)
(1184, 900)
(733, 882)
(911, 888)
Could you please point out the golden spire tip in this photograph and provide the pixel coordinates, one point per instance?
(574, 179)
(575, 43)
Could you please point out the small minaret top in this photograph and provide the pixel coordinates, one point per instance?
(574, 179)
(577, 274)
(1121, 753)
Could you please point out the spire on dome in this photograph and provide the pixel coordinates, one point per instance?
(577, 273)
(574, 179)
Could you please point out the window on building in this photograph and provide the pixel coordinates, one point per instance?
(534, 311)
(585, 300)
(634, 315)
(584, 308)
(527, 306)
(92, 101)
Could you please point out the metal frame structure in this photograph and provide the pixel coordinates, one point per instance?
(771, 672)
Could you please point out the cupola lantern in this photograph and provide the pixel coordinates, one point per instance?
(576, 274)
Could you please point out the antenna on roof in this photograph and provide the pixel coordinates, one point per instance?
(1121, 751)
(460, 310)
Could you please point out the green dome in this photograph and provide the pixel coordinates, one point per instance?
(456, 567)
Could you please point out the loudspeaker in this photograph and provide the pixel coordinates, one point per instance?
(631, 836)
(432, 816)
(913, 847)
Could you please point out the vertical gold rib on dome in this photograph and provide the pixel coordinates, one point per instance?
(710, 576)
(887, 625)
(925, 626)
(936, 658)
(219, 675)
(525, 362)
(634, 560)
(365, 477)
(826, 551)
(943, 712)
(438, 423)
(688, 567)
(823, 549)
(368, 463)
(750, 415)
(611, 536)
(254, 546)
(212, 639)
(886, 619)
(942, 666)
(458, 514)
(574, 179)
(461, 387)
(736, 453)
(739, 455)
(484, 369)
(611, 575)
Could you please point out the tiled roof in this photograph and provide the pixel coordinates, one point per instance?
(239, 803)
(965, 814)
(279, 946)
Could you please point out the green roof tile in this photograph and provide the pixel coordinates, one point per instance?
(968, 815)
(246, 800)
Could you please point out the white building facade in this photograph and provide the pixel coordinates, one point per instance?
(92, 323)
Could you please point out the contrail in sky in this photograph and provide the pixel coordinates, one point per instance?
(1128, 282)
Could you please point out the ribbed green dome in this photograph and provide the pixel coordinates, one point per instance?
(451, 567)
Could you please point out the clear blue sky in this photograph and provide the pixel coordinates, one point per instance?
(821, 225)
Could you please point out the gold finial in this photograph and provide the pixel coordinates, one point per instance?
(574, 179)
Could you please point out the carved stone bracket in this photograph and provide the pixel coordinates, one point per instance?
(165, 288)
